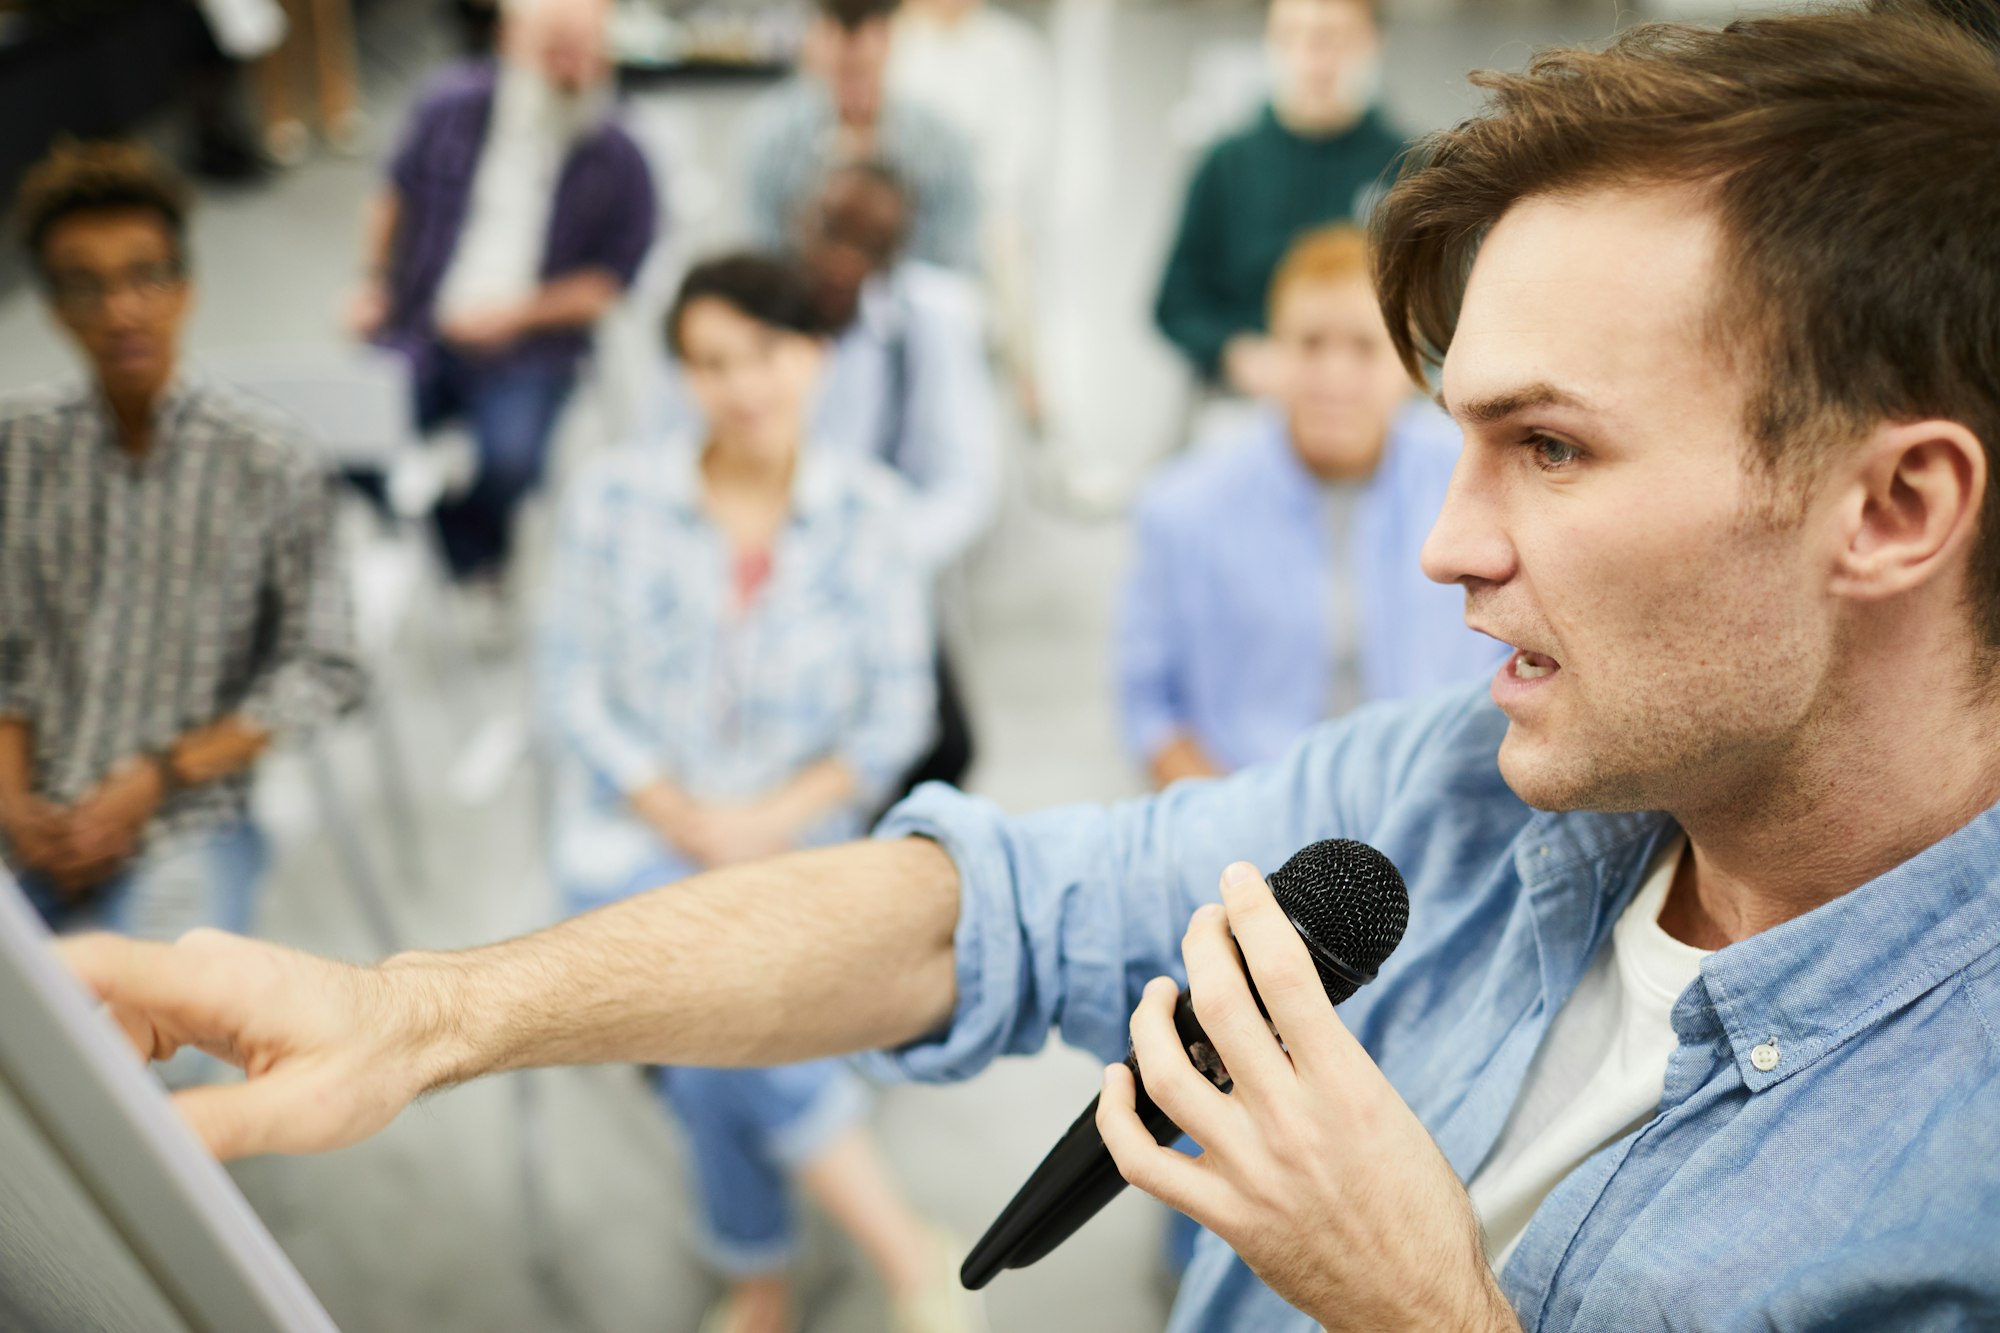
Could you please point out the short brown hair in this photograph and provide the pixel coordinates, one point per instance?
(1850, 159)
(854, 15)
(99, 177)
(1326, 254)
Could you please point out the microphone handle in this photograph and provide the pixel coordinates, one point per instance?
(1079, 1177)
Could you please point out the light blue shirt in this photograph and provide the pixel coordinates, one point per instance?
(1224, 630)
(649, 667)
(1853, 1184)
(906, 384)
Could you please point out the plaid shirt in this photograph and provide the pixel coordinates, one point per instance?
(143, 598)
(650, 667)
(790, 147)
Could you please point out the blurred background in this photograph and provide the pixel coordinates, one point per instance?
(563, 1199)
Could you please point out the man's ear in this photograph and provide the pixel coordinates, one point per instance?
(1910, 508)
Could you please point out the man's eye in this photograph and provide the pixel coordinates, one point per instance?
(1551, 454)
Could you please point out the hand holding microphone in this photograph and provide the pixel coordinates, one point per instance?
(1314, 1171)
(1347, 906)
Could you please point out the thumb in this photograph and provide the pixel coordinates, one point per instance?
(246, 1119)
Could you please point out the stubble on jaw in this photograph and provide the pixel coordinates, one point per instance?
(1715, 686)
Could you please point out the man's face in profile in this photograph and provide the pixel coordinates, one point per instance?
(1608, 516)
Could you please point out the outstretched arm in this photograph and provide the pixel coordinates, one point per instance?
(811, 954)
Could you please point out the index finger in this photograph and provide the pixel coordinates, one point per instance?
(1281, 967)
(149, 987)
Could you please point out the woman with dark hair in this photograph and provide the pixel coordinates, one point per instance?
(737, 662)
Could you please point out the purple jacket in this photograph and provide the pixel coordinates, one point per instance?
(603, 217)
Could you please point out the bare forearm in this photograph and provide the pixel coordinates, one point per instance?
(1180, 758)
(804, 800)
(225, 746)
(575, 301)
(378, 232)
(17, 761)
(817, 953)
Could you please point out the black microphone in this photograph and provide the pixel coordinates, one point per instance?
(1349, 904)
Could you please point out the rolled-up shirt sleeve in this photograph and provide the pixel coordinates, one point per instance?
(1064, 915)
(313, 672)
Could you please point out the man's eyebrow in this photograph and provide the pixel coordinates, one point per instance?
(1498, 407)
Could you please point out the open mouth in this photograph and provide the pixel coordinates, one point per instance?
(1533, 666)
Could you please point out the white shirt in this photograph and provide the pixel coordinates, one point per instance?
(1601, 1068)
(498, 259)
(988, 76)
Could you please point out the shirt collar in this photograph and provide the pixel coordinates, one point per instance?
(1790, 995)
(815, 482)
(169, 412)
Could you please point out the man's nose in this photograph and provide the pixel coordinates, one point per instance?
(1468, 544)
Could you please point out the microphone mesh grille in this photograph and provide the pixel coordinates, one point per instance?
(1349, 903)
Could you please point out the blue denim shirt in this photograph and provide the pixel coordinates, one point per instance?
(1223, 629)
(1855, 1184)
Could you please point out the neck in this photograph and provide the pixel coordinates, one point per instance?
(746, 472)
(1898, 769)
(1316, 121)
(132, 415)
(1331, 465)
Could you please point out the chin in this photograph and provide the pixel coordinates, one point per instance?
(1559, 778)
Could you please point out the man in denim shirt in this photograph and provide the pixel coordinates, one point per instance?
(1727, 505)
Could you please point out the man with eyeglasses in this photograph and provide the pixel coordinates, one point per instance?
(170, 594)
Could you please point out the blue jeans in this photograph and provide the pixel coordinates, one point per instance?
(208, 877)
(747, 1131)
(512, 409)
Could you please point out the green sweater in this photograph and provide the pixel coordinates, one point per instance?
(1255, 193)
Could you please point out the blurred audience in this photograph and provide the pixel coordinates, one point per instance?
(988, 74)
(840, 110)
(908, 384)
(171, 597)
(515, 214)
(1276, 581)
(736, 663)
(317, 54)
(1315, 155)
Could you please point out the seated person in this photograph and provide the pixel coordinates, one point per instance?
(907, 383)
(737, 662)
(1277, 581)
(515, 214)
(839, 110)
(171, 597)
(1315, 155)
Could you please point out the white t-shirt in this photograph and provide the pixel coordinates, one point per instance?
(498, 259)
(1601, 1068)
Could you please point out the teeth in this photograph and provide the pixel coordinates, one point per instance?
(1526, 670)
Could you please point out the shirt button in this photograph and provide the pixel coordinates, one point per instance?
(1765, 1056)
